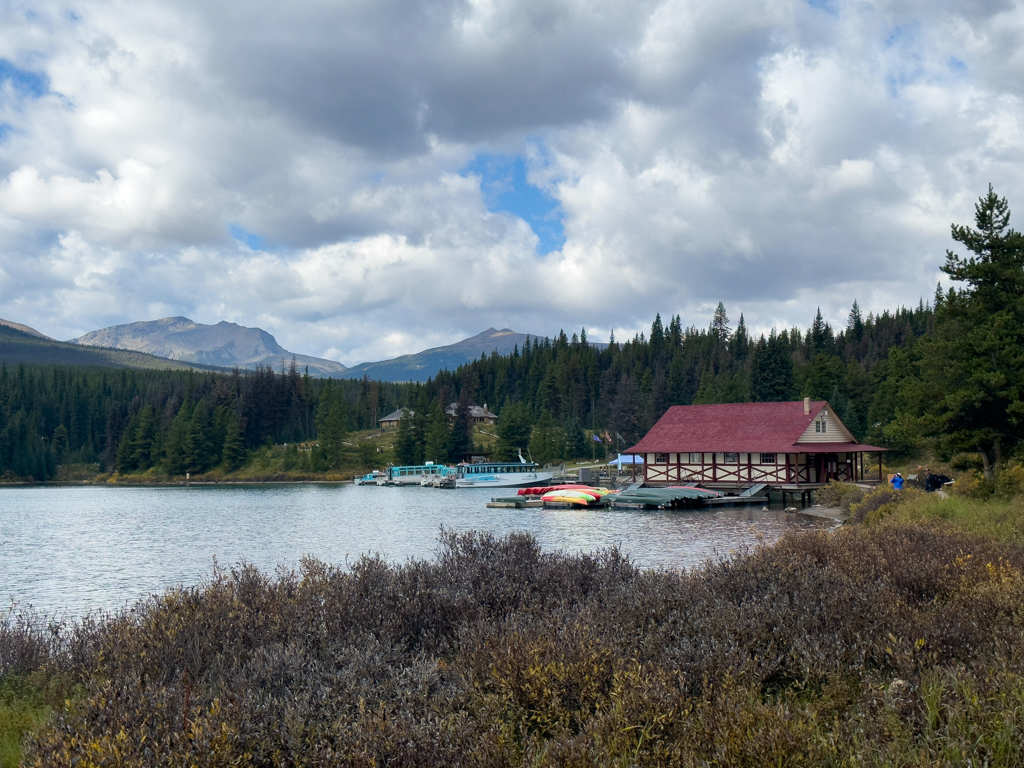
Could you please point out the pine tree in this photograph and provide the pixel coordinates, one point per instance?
(972, 369)
(435, 445)
(514, 428)
(460, 439)
(405, 446)
(720, 324)
(332, 424)
(233, 451)
(855, 324)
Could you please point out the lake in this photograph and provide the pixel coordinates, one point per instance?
(75, 549)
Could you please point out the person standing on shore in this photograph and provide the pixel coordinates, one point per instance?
(897, 481)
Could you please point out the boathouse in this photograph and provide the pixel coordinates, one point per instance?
(791, 445)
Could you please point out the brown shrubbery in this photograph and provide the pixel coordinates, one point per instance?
(839, 495)
(887, 644)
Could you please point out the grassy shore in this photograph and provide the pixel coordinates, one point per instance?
(893, 642)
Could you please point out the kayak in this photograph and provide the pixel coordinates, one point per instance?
(560, 497)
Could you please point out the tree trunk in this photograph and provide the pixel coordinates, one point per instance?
(986, 463)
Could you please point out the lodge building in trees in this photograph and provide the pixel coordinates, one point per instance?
(789, 445)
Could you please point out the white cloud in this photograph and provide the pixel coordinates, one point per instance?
(774, 156)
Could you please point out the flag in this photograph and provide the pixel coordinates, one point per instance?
(620, 437)
(607, 436)
(597, 439)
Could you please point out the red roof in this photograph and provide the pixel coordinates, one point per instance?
(736, 427)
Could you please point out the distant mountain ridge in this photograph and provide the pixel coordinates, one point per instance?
(23, 329)
(21, 344)
(428, 363)
(225, 345)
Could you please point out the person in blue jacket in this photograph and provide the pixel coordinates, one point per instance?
(897, 481)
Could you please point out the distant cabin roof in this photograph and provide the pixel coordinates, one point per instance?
(744, 427)
(398, 414)
(475, 411)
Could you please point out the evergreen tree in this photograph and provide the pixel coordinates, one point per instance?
(514, 429)
(972, 369)
(405, 445)
(706, 392)
(332, 424)
(60, 443)
(436, 440)
(198, 448)
(855, 324)
(460, 439)
(720, 324)
(176, 456)
(771, 371)
(233, 451)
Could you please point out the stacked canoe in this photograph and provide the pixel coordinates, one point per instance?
(665, 498)
(577, 495)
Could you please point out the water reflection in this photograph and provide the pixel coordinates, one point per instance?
(78, 549)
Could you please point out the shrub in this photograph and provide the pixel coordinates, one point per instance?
(887, 644)
(881, 502)
(972, 485)
(1010, 480)
(840, 495)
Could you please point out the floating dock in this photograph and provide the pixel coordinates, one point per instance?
(637, 497)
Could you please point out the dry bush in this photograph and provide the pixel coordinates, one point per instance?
(839, 495)
(864, 645)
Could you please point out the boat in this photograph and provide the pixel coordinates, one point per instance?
(443, 478)
(370, 478)
(502, 474)
(412, 474)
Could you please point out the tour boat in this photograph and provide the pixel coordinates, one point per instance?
(411, 475)
(501, 474)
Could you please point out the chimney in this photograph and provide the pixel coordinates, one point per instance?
(807, 406)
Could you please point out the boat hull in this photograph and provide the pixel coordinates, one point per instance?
(504, 480)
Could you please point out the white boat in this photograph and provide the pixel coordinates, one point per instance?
(502, 474)
(370, 478)
(411, 475)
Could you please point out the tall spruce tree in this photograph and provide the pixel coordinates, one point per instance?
(972, 369)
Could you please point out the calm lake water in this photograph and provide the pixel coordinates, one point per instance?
(79, 549)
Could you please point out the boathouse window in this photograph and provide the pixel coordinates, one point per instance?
(819, 426)
(661, 458)
(696, 458)
(731, 458)
(767, 458)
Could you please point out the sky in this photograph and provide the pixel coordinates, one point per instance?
(368, 178)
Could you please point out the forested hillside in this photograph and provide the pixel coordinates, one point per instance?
(179, 421)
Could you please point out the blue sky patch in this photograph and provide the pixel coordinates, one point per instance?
(24, 82)
(828, 6)
(254, 241)
(505, 188)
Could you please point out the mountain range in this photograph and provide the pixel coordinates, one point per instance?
(156, 343)
(21, 344)
(224, 345)
(423, 365)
